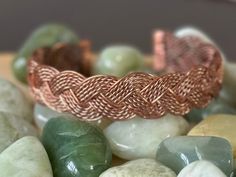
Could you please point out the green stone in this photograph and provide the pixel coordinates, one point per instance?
(13, 128)
(25, 158)
(13, 101)
(44, 36)
(76, 148)
(118, 61)
(178, 152)
(217, 106)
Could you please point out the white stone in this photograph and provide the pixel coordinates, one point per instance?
(139, 138)
(25, 158)
(139, 168)
(13, 101)
(201, 168)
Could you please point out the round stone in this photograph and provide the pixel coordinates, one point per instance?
(139, 138)
(201, 168)
(44, 36)
(139, 168)
(118, 61)
(75, 148)
(14, 101)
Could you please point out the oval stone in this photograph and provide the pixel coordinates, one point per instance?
(13, 128)
(178, 152)
(75, 148)
(220, 125)
(12, 100)
(118, 60)
(139, 138)
(201, 168)
(25, 158)
(44, 36)
(139, 168)
(42, 114)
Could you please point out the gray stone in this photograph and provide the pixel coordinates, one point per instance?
(178, 152)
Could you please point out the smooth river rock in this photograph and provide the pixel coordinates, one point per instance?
(12, 100)
(118, 60)
(201, 168)
(178, 152)
(221, 125)
(25, 158)
(76, 148)
(13, 128)
(139, 138)
(139, 168)
(42, 114)
(44, 36)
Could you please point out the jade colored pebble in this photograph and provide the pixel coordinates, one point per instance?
(76, 148)
(177, 152)
(44, 36)
(118, 60)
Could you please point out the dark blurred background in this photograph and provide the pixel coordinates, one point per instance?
(118, 21)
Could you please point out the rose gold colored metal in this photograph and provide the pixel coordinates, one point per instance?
(142, 94)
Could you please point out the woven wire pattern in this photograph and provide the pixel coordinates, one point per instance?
(145, 95)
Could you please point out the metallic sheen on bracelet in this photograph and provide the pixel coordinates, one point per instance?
(193, 77)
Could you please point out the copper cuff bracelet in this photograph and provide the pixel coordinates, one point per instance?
(145, 95)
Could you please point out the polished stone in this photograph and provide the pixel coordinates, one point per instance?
(178, 152)
(139, 168)
(201, 168)
(75, 148)
(220, 125)
(139, 138)
(12, 100)
(118, 61)
(42, 114)
(13, 128)
(44, 36)
(25, 158)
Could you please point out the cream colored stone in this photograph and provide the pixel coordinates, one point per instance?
(220, 125)
(201, 168)
(139, 168)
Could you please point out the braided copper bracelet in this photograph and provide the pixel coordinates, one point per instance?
(142, 94)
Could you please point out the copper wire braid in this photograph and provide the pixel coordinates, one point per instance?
(148, 96)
